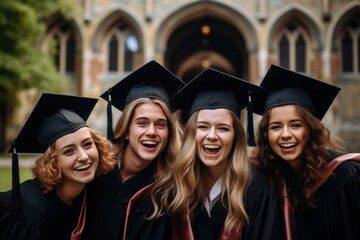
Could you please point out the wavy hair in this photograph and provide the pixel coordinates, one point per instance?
(314, 158)
(48, 172)
(189, 176)
(162, 188)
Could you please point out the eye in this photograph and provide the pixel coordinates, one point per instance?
(68, 151)
(202, 127)
(296, 125)
(141, 123)
(162, 124)
(88, 144)
(274, 127)
(224, 129)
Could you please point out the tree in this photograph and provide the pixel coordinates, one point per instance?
(23, 64)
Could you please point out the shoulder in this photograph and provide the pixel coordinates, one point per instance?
(259, 186)
(345, 170)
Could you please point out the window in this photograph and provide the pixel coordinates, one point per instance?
(122, 47)
(293, 48)
(350, 47)
(65, 45)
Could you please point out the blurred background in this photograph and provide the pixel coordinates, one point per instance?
(82, 47)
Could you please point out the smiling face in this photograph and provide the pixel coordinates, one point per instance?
(77, 157)
(147, 135)
(214, 139)
(287, 134)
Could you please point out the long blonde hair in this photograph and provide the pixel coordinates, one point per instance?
(163, 161)
(189, 176)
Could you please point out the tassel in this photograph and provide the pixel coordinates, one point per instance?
(15, 193)
(250, 123)
(110, 132)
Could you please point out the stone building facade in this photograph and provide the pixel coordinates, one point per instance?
(110, 38)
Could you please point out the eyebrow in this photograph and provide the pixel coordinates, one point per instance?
(72, 144)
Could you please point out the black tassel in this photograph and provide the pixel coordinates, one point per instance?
(15, 193)
(110, 132)
(250, 123)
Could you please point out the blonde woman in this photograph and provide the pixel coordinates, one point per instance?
(223, 195)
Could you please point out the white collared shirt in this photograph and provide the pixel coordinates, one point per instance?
(214, 193)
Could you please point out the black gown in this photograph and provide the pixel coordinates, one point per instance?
(40, 216)
(337, 215)
(108, 199)
(141, 228)
(261, 205)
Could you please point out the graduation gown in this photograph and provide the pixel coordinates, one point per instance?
(337, 214)
(40, 215)
(138, 227)
(108, 200)
(261, 205)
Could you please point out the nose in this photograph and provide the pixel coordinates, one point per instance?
(212, 133)
(151, 130)
(286, 133)
(82, 155)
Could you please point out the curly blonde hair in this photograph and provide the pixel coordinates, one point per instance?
(163, 161)
(47, 170)
(189, 176)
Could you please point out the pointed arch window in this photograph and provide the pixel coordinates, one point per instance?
(293, 48)
(122, 47)
(350, 47)
(65, 50)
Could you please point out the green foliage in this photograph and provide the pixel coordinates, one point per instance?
(23, 64)
(5, 177)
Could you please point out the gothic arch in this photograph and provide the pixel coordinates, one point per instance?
(125, 14)
(339, 20)
(302, 15)
(183, 13)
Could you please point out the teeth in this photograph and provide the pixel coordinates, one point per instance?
(83, 167)
(287, 144)
(211, 146)
(149, 142)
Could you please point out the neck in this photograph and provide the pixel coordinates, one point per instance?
(130, 165)
(68, 192)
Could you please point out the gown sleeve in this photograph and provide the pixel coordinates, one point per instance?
(263, 208)
(22, 223)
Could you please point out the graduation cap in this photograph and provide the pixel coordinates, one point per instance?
(152, 80)
(53, 116)
(286, 87)
(213, 89)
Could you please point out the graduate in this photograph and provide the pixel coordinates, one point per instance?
(127, 203)
(215, 185)
(53, 204)
(318, 184)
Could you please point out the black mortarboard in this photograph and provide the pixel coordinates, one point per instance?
(152, 80)
(288, 87)
(213, 89)
(53, 116)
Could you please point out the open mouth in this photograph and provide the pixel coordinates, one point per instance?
(149, 144)
(287, 145)
(83, 168)
(211, 149)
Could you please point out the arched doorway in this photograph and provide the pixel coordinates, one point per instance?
(206, 42)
